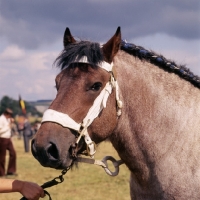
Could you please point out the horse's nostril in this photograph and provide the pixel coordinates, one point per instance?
(52, 152)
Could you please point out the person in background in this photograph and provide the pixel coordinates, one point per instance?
(36, 126)
(6, 144)
(27, 133)
(29, 190)
(14, 130)
(20, 126)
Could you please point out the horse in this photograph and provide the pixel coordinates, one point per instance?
(147, 106)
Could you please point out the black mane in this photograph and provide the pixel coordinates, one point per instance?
(161, 62)
(94, 54)
(75, 51)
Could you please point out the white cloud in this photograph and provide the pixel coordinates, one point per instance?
(182, 52)
(27, 73)
(12, 53)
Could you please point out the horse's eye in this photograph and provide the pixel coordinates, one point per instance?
(96, 86)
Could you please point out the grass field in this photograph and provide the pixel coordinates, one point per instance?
(87, 182)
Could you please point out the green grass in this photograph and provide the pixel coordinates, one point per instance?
(87, 182)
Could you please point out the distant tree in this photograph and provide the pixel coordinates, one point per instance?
(7, 102)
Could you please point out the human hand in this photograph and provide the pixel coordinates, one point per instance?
(30, 190)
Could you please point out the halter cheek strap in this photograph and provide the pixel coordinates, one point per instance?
(66, 121)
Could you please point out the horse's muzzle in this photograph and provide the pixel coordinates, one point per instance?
(48, 156)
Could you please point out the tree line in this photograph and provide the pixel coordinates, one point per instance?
(7, 102)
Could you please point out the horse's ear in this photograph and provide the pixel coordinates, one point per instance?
(111, 48)
(68, 38)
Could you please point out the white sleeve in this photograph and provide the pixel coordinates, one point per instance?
(3, 126)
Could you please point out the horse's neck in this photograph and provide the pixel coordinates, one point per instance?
(159, 111)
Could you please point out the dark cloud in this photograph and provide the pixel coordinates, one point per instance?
(33, 23)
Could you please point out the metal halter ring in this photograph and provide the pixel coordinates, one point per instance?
(115, 163)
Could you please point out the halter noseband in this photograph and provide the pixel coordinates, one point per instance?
(66, 121)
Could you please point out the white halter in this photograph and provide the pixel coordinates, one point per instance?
(99, 103)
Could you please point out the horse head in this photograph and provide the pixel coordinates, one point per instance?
(86, 106)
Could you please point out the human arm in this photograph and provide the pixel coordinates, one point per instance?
(30, 190)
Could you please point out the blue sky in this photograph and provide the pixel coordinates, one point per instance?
(31, 34)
